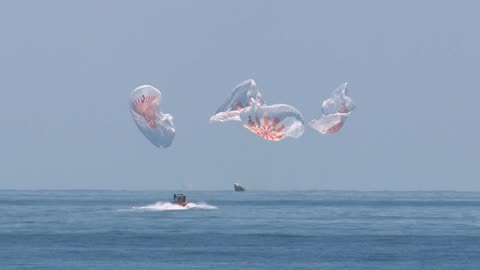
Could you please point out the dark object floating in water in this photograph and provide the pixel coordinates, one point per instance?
(180, 199)
(237, 187)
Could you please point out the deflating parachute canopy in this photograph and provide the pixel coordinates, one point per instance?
(241, 97)
(336, 110)
(273, 122)
(145, 109)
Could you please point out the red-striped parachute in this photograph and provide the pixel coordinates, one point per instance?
(336, 110)
(242, 97)
(274, 122)
(145, 109)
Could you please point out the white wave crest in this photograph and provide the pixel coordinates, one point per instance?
(167, 206)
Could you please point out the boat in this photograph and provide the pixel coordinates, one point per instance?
(237, 187)
(180, 199)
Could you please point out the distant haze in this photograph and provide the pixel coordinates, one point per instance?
(68, 68)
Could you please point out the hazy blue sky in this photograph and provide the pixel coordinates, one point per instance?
(68, 68)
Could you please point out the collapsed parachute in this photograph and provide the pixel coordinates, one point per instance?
(273, 122)
(336, 110)
(145, 109)
(241, 97)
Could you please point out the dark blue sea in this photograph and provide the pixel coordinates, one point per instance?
(229, 230)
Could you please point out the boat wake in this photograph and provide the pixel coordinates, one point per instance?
(167, 206)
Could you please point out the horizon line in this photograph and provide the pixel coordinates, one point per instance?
(254, 190)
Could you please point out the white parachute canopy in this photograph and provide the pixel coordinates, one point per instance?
(145, 109)
(241, 98)
(274, 122)
(336, 110)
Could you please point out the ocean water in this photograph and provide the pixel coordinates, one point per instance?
(229, 230)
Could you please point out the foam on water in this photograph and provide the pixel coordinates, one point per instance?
(167, 206)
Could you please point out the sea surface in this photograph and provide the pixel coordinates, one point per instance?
(71, 230)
